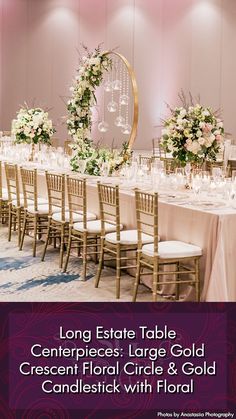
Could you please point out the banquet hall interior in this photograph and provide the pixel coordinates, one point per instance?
(117, 150)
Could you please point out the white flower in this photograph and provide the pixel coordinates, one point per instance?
(201, 140)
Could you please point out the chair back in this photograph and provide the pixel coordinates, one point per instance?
(12, 178)
(109, 204)
(29, 187)
(170, 164)
(147, 216)
(145, 160)
(54, 142)
(0, 179)
(6, 133)
(77, 198)
(56, 185)
(67, 148)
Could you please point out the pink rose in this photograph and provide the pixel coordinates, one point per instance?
(219, 138)
(208, 128)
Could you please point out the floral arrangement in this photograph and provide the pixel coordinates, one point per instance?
(193, 133)
(32, 126)
(79, 123)
(96, 156)
(90, 76)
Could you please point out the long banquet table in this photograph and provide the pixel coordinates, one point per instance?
(214, 230)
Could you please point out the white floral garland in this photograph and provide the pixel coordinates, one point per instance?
(90, 76)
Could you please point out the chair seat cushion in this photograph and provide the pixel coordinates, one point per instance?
(172, 249)
(42, 209)
(42, 200)
(77, 217)
(4, 195)
(94, 227)
(14, 202)
(128, 237)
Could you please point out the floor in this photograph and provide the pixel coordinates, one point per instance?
(25, 278)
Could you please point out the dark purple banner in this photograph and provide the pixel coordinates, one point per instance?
(118, 360)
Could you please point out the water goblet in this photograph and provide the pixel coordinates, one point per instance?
(105, 168)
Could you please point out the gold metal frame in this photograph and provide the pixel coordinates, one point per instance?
(147, 222)
(56, 185)
(133, 133)
(109, 203)
(3, 201)
(86, 241)
(15, 214)
(33, 221)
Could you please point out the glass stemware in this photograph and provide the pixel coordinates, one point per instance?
(105, 169)
(82, 166)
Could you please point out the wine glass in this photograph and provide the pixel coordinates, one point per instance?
(196, 185)
(105, 168)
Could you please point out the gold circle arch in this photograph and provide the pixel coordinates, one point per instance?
(130, 70)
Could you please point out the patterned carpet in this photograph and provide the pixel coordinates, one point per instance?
(24, 278)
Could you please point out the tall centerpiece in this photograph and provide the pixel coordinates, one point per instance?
(32, 126)
(193, 134)
(90, 75)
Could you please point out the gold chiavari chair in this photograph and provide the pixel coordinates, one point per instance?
(57, 223)
(3, 200)
(36, 209)
(170, 164)
(157, 150)
(67, 148)
(83, 229)
(113, 244)
(157, 255)
(146, 161)
(218, 165)
(54, 142)
(15, 200)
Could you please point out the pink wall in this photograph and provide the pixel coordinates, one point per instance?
(172, 44)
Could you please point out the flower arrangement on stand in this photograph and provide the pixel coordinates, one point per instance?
(79, 122)
(32, 126)
(193, 133)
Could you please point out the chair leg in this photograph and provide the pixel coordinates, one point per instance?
(197, 279)
(54, 240)
(155, 279)
(84, 256)
(23, 231)
(118, 270)
(100, 264)
(137, 277)
(96, 249)
(47, 239)
(35, 235)
(18, 219)
(62, 245)
(177, 283)
(68, 251)
(9, 224)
